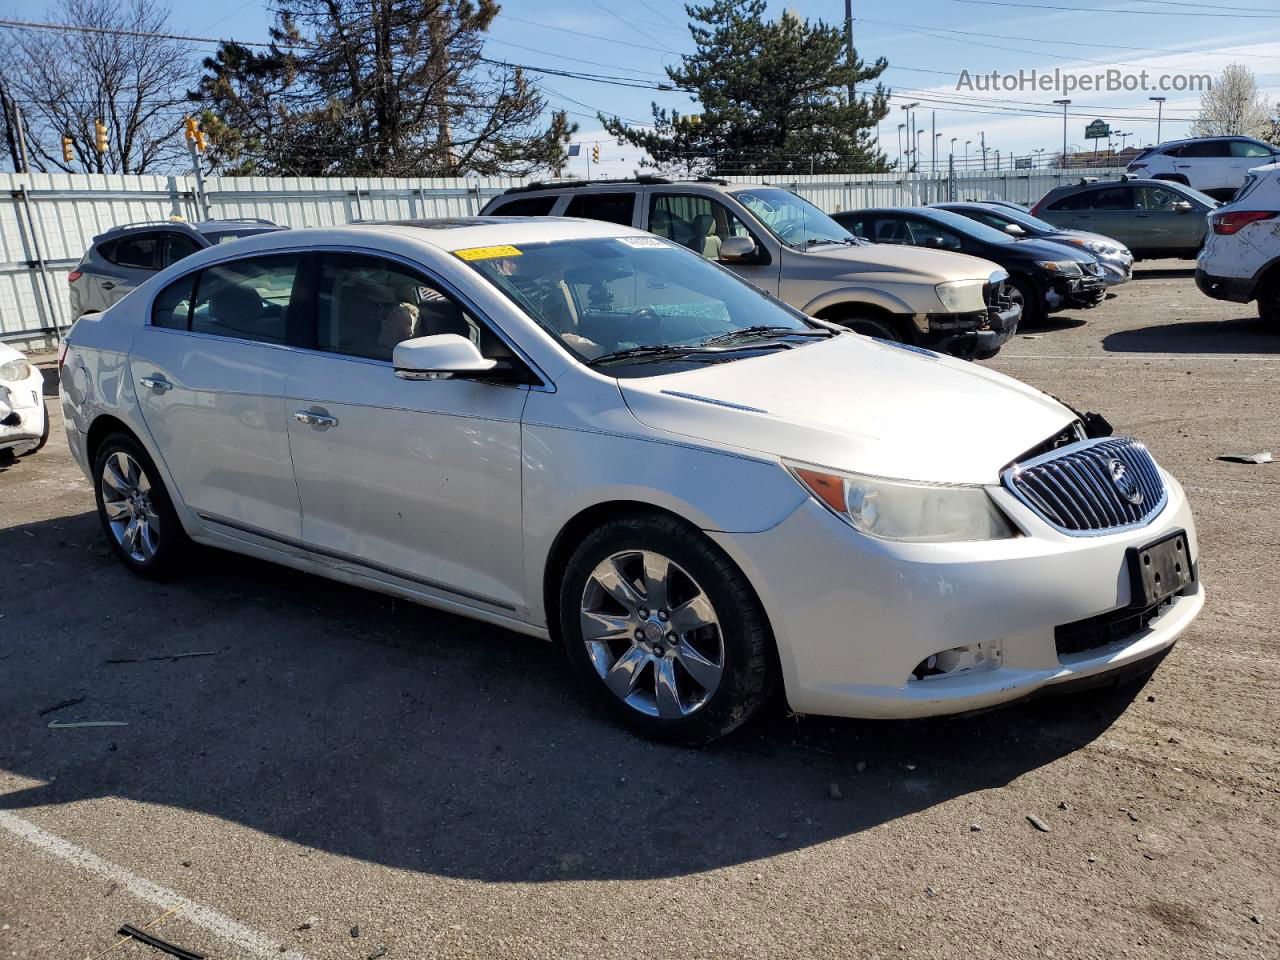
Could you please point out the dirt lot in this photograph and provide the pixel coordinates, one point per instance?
(344, 761)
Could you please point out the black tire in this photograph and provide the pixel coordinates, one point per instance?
(747, 659)
(872, 327)
(170, 547)
(1269, 303)
(1026, 292)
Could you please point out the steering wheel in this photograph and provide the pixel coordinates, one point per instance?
(644, 327)
(785, 228)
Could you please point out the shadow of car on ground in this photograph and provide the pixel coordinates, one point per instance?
(1246, 335)
(350, 722)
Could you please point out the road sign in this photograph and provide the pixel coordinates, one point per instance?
(1022, 163)
(1098, 130)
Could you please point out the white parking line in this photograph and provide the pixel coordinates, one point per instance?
(219, 924)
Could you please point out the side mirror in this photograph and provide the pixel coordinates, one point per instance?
(440, 357)
(1014, 230)
(1183, 206)
(737, 250)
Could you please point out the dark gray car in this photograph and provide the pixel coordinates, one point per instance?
(126, 256)
(1153, 218)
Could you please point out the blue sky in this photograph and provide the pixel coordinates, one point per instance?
(928, 44)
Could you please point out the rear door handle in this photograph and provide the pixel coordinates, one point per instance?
(316, 418)
(156, 383)
(107, 284)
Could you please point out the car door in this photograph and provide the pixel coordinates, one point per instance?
(1162, 221)
(409, 479)
(1245, 155)
(1106, 210)
(702, 224)
(210, 371)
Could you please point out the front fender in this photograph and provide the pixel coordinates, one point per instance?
(861, 295)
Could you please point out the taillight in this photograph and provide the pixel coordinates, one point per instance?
(1225, 224)
(62, 353)
(73, 276)
(1035, 211)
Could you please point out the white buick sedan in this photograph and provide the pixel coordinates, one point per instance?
(588, 434)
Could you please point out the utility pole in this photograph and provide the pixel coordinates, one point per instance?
(1159, 102)
(966, 154)
(10, 133)
(20, 123)
(1064, 104)
(934, 164)
(910, 134)
(848, 45)
(982, 136)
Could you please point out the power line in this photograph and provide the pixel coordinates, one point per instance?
(1097, 10)
(594, 63)
(589, 36)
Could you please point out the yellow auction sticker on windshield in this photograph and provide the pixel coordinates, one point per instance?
(488, 253)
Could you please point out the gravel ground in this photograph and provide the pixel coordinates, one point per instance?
(344, 764)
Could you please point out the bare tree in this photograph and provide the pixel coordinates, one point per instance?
(112, 66)
(1233, 107)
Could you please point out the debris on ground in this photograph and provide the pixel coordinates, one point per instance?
(974, 828)
(380, 952)
(1255, 458)
(1038, 823)
(355, 932)
(57, 725)
(182, 953)
(60, 706)
(166, 656)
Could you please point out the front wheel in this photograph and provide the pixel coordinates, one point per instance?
(136, 513)
(665, 630)
(872, 327)
(1024, 293)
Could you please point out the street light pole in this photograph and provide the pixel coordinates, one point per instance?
(966, 154)
(1159, 102)
(908, 107)
(901, 127)
(1064, 104)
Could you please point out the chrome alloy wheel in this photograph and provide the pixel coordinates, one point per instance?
(126, 500)
(652, 634)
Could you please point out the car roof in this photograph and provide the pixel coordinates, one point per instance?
(247, 224)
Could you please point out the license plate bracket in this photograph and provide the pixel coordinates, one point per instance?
(1160, 569)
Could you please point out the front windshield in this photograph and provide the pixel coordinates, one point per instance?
(619, 302)
(792, 219)
(965, 226)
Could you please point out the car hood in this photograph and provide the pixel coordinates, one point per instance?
(1047, 249)
(928, 266)
(857, 404)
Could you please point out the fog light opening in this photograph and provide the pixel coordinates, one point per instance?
(957, 660)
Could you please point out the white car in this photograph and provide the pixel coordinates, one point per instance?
(1213, 165)
(24, 424)
(1240, 260)
(586, 433)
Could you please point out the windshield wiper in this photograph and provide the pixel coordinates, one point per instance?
(764, 329)
(650, 353)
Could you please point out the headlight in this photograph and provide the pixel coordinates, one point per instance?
(905, 511)
(961, 296)
(1064, 268)
(15, 370)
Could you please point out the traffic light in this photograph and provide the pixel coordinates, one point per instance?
(100, 136)
(200, 141)
(595, 153)
(190, 123)
(66, 150)
(195, 136)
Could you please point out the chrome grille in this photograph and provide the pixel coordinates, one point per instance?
(1093, 268)
(1092, 487)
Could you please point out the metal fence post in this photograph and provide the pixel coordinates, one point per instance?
(49, 306)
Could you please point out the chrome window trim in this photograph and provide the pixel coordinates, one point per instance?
(547, 385)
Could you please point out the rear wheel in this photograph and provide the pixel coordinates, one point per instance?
(665, 631)
(1024, 293)
(136, 513)
(1269, 303)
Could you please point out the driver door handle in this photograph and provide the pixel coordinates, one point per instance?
(316, 418)
(156, 383)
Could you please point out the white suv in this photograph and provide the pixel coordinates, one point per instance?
(1241, 256)
(1213, 165)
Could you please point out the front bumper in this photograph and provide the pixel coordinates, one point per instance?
(1086, 293)
(22, 414)
(854, 616)
(1116, 270)
(1233, 289)
(976, 335)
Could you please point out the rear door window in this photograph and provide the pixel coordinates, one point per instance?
(1245, 148)
(528, 207)
(247, 299)
(1206, 148)
(616, 208)
(179, 246)
(140, 251)
(1108, 198)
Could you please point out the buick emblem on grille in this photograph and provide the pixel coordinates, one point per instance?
(1124, 482)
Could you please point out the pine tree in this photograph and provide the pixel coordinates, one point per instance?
(376, 88)
(772, 98)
